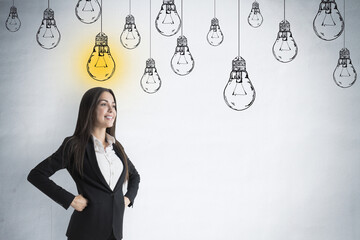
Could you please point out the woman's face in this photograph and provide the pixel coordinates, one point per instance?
(105, 111)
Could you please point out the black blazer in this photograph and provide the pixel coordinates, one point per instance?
(105, 210)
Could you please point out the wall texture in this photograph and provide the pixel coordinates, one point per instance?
(285, 169)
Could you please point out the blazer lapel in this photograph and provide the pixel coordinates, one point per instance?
(93, 163)
(122, 176)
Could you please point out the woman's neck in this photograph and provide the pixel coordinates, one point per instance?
(100, 133)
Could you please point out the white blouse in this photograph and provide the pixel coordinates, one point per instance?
(109, 163)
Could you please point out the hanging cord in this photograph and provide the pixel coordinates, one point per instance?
(13, 3)
(214, 8)
(48, 3)
(182, 18)
(130, 7)
(150, 28)
(101, 12)
(284, 10)
(239, 28)
(344, 23)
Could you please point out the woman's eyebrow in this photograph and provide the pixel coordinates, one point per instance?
(104, 100)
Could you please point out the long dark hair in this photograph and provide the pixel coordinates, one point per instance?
(85, 123)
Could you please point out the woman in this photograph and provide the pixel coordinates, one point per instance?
(99, 166)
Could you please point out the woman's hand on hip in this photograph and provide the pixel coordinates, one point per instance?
(79, 203)
(126, 201)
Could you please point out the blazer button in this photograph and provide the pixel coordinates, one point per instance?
(112, 195)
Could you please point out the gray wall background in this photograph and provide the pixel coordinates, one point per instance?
(286, 168)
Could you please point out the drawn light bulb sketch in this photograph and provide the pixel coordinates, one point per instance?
(168, 21)
(344, 74)
(130, 36)
(48, 36)
(328, 23)
(215, 36)
(101, 65)
(182, 62)
(13, 22)
(255, 19)
(150, 81)
(239, 93)
(88, 11)
(285, 48)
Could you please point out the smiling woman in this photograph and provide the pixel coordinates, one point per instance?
(99, 166)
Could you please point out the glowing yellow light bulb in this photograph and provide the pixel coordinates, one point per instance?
(101, 65)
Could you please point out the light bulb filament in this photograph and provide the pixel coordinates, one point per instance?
(130, 35)
(150, 79)
(215, 34)
(328, 20)
(48, 33)
(88, 7)
(182, 59)
(344, 72)
(285, 46)
(168, 19)
(239, 89)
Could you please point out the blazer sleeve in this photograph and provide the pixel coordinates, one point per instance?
(39, 177)
(133, 183)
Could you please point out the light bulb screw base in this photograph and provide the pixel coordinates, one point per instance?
(130, 19)
(344, 53)
(101, 39)
(284, 26)
(13, 10)
(182, 41)
(150, 63)
(255, 5)
(49, 14)
(214, 22)
(239, 64)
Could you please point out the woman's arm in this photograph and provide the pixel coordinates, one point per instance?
(133, 183)
(39, 177)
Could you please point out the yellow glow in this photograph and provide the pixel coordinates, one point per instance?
(122, 64)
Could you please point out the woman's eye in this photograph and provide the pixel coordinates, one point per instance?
(103, 104)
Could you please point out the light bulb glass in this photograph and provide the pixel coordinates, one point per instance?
(48, 35)
(285, 48)
(13, 22)
(328, 23)
(255, 19)
(168, 21)
(150, 81)
(130, 37)
(344, 74)
(182, 63)
(239, 93)
(215, 36)
(101, 65)
(88, 11)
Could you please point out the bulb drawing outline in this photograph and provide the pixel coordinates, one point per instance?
(150, 81)
(13, 22)
(344, 74)
(88, 11)
(239, 93)
(168, 21)
(285, 48)
(101, 65)
(215, 36)
(328, 23)
(182, 62)
(255, 18)
(48, 36)
(130, 36)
